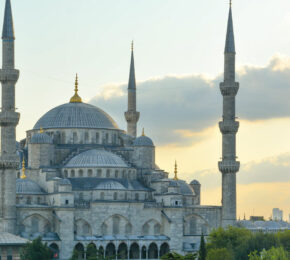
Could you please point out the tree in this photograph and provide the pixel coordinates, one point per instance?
(36, 250)
(202, 249)
(272, 254)
(92, 252)
(172, 256)
(219, 254)
(284, 239)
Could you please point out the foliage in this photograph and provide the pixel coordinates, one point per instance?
(92, 252)
(190, 256)
(272, 254)
(35, 250)
(75, 255)
(172, 256)
(219, 254)
(284, 239)
(202, 249)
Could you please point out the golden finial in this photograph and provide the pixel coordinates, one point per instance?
(76, 98)
(143, 132)
(41, 130)
(23, 176)
(175, 172)
(230, 3)
(132, 46)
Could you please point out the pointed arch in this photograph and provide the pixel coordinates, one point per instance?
(122, 251)
(135, 251)
(153, 251)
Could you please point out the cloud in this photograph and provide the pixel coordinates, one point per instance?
(174, 109)
(268, 170)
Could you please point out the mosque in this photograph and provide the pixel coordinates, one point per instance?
(77, 179)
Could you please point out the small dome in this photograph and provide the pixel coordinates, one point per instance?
(195, 182)
(76, 115)
(110, 185)
(96, 158)
(173, 184)
(143, 141)
(185, 188)
(26, 186)
(41, 138)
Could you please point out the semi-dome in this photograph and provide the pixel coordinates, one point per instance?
(143, 141)
(96, 158)
(27, 186)
(41, 138)
(76, 115)
(195, 182)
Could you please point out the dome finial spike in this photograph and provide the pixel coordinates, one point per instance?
(41, 130)
(132, 46)
(230, 3)
(143, 132)
(23, 176)
(175, 171)
(76, 98)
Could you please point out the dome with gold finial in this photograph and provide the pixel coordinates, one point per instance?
(75, 114)
(143, 140)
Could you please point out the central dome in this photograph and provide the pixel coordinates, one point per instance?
(76, 115)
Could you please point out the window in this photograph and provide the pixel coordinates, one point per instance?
(126, 196)
(66, 202)
(90, 173)
(116, 173)
(115, 195)
(136, 196)
(116, 221)
(157, 229)
(72, 173)
(81, 173)
(108, 174)
(63, 137)
(65, 174)
(86, 137)
(75, 137)
(102, 197)
(38, 200)
(99, 173)
(28, 200)
(128, 229)
(97, 138)
(107, 138)
(34, 225)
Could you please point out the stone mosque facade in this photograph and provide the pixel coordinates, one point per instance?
(77, 179)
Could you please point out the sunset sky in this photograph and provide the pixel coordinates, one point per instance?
(179, 64)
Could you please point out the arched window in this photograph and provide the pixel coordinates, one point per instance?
(75, 137)
(86, 229)
(104, 229)
(192, 226)
(144, 252)
(153, 251)
(123, 174)
(122, 251)
(164, 249)
(116, 222)
(81, 173)
(136, 196)
(110, 250)
(145, 229)
(128, 229)
(97, 138)
(102, 196)
(90, 173)
(65, 173)
(63, 139)
(115, 195)
(72, 173)
(38, 200)
(55, 249)
(107, 138)
(99, 173)
(108, 174)
(47, 228)
(126, 196)
(34, 225)
(135, 251)
(116, 174)
(86, 137)
(157, 229)
(28, 200)
(79, 248)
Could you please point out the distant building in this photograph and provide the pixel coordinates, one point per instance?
(289, 218)
(264, 226)
(277, 214)
(256, 218)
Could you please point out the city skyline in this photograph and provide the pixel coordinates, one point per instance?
(263, 139)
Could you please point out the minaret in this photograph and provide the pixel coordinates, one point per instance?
(9, 160)
(229, 128)
(132, 116)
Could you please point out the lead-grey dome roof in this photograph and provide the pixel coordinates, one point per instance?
(27, 186)
(76, 115)
(41, 138)
(96, 158)
(143, 141)
(110, 185)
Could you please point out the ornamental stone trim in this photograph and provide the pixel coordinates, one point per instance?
(229, 90)
(132, 116)
(8, 75)
(229, 166)
(229, 127)
(9, 118)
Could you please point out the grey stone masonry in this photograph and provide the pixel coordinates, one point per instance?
(229, 128)
(132, 116)
(8, 120)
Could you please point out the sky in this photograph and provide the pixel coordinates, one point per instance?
(179, 64)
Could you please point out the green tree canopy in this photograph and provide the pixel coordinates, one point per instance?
(36, 250)
(202, 249)
(219, 254)
(272, 254)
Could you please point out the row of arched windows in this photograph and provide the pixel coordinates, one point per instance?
(123, 251)
(30, 200)
(99, 173)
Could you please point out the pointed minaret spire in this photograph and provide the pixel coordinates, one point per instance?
(8, 29)
(9, 160)
(229, 166)
(230, 39)
(132, 116)
(175, 171)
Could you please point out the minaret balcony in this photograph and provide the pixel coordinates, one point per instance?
(9, 118)
(9, 161)
(7, 75)
(132, 116)
(229, 127)
(228, 90)
(229, 166)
